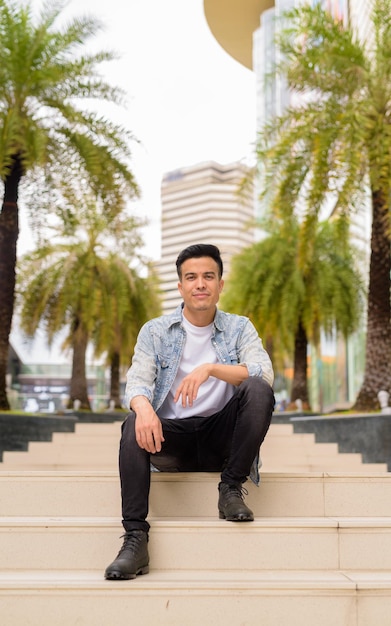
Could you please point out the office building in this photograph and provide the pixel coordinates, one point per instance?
(272, 94)
(201, 204)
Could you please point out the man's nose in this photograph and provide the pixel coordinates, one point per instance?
(200, 283)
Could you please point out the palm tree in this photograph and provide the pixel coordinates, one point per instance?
(291, 297)
(80, 284)
(59, 288)
(336, 143)
(47, 133)
(132, 299)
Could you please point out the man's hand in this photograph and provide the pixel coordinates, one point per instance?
(188, 389)
(190, 385)
(148, 427)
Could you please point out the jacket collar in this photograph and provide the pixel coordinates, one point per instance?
(176, 317)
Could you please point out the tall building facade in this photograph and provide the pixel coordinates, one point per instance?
(201, 204)
(272, 94)
(359, 15)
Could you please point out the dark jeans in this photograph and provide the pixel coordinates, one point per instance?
(226, 442)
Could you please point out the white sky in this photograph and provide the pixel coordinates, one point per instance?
(188, 100)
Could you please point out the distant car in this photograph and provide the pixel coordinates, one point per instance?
(31, 405)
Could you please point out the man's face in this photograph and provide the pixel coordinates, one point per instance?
(200, 285)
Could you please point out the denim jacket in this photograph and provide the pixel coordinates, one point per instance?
(159, 348)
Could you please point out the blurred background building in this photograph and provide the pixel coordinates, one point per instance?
(202, 204)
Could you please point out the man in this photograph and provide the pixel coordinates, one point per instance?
(199, 390)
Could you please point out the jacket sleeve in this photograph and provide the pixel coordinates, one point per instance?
(252, 354)
(141, 376)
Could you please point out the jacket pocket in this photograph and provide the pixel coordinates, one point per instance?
(164, 360)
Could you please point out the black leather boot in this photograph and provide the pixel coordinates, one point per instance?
(231, 504)
(132, 559)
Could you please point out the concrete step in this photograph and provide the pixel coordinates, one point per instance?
(97, 493)
(102, 452)
(189, 598)
(279, 436)
(76, 441)
(109, 433)
(324, 465)
(96, 446)
(80, 452)
(339, 463)
(321, 543)
(273, 444)
(318, 552)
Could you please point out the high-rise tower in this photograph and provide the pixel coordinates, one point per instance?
(201, 204)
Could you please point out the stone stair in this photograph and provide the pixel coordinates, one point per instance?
(319, 551)
(96, 445)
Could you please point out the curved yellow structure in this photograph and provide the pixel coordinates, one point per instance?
(232, 23)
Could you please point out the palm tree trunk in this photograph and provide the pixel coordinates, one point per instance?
(78, 387)
(115, 380)
(300, 382)
(9, 231)
(377, 375)
(270, 347)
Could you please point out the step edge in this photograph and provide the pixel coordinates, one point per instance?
(71, 522)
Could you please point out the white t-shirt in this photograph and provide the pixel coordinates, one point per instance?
(214, 394)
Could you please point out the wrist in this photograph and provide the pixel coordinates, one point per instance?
(139, 402)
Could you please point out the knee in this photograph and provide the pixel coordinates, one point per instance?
(259, 391)
(128, 428)
(256, 384)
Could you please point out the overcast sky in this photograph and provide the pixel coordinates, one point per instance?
(188, 100)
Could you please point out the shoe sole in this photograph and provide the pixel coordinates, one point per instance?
(238, 518)
(120, 576)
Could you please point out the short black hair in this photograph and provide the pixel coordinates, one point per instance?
(197, 251)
